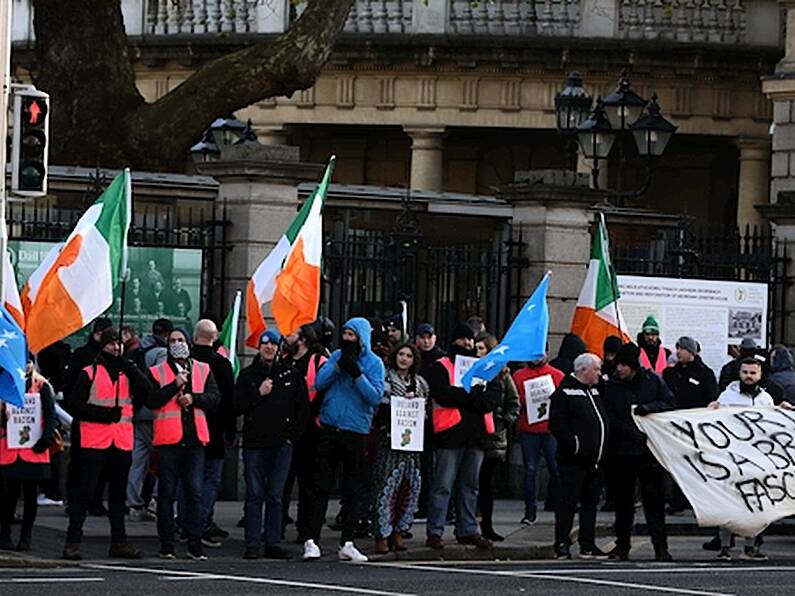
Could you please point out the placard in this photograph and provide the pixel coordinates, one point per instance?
(714, 313)
(408, 423)
(537, 392)
(24, 424)
(461, 366)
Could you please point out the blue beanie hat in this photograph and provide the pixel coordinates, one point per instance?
(270, 336)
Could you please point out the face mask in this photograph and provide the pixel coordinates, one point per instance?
(350, 346)
(179, 351)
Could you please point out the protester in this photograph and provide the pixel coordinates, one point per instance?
(504, 415)
(578, 421)
(102, 402)
(23, 468)
(747, 392)
(462, 423)
(325, 330)
(653, 355)
(273, 399)
(782, 372)
(477, 325)
(635, 386)
(396, 473)
(221, 424)
(151, 351)
(426, 340)
(571, 347)
(535, 438)
(353, 383)
(183, 391)
(394, 330)
(609, 348)
(731, 370)
(307, 356)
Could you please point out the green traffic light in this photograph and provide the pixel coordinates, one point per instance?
(31, 177)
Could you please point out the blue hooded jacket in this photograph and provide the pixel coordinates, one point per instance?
(348, 404)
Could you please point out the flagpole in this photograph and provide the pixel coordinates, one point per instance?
(613, 277)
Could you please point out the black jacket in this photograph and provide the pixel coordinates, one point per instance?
(471, 431)
(222, 422)
(693, 384)
(645, 388)
(81, 357)
(571, 347)
(578, 421)
(274, 418)
(207, 401)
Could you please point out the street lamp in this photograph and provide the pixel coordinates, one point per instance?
(227, 130)
(623, 106)
(596, 137)
(651, 131)
(572, 104)
(206, 149)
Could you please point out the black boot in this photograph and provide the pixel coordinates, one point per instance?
(5, 538)
(24, 540)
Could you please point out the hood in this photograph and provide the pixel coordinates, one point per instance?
(362, 328)
(781, 360)
(571, 346)
(150, 341)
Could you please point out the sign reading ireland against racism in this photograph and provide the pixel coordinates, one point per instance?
(735, 465)
(24, 424)
(536, 396)
(408, 423)
(714, 313)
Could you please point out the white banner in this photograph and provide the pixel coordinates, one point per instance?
(408, 423)
(714, 313)
(24, 424)
(736, 465)
(537, 392)
(461, 366)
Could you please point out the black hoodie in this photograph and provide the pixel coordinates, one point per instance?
(571, 347)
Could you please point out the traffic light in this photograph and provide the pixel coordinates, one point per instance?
(29, 146)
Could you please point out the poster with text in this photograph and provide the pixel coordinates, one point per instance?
(24, 424)
(537, 392)
(715, 313)
(461, 366)
(408, 423)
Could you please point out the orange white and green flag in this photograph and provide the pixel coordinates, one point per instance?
(289, 277)
(75, 282)
(598, 315)
(11, 300)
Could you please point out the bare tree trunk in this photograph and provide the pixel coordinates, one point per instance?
(98, 116)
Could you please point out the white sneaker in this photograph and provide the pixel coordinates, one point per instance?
(311, 550)
(43, 501)
(348, 552)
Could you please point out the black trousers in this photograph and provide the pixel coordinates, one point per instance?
(115, 463)
(14, 486)
(486, 492)
(629, 470)
(336, 447)
(580, 483)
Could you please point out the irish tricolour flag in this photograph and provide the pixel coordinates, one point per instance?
(74, 284)
(289, 277)
(597, 315)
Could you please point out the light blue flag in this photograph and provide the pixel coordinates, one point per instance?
(13, 359)
(526, 339)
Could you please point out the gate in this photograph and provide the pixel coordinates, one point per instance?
(369, 272)
(715, 253)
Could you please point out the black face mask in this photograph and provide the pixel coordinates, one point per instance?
(350, 347)
(457, 350)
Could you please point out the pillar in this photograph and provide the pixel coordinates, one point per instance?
(426, 157)
(271, 134)
(754, 180)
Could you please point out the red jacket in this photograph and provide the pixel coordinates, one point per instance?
(522, 375)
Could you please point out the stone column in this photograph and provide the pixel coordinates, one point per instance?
(426, 157)
(430, 16)
(754, 180)
(554, 209)
(271, 134)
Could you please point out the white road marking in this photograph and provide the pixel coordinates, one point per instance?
(555, 577)
(48, 580)
(248, 579)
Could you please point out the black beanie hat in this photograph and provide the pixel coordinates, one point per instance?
(462, 331)
(108, 335)
(628, 354)
(611, 344)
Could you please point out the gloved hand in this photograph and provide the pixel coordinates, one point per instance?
(115, 414)
(641, 410)
(41, 446)
(348, 364)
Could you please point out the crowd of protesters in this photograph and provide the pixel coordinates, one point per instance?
(150, 421)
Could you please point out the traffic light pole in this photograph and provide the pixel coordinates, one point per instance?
(5, 80)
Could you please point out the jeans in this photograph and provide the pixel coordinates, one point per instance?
(579, 484)
(335, 446)
(533, 445)
(213, 471)
(94, 464)
(459, 468)
(141, 454)
(183, 466)
(266, 474)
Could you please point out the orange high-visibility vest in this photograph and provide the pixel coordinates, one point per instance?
(8, 456)
(104, 393)
(315, 362)
(660, 364)
(168, 419)
(445, 418)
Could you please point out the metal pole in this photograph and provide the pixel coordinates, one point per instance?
(5, 80)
